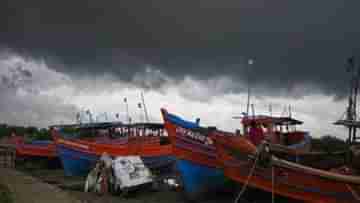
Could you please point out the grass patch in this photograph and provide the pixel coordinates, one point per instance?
(5, 195)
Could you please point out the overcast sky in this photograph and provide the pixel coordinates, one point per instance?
(58, 57)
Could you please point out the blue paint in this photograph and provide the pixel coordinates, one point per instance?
(179, 121)
(199, 179)
(76, 163)
(41, 142)
(156, 162)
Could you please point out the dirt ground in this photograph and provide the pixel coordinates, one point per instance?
(36, 182)
(5, 194)
(74, 186)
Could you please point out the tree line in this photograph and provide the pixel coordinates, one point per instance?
(29, 132)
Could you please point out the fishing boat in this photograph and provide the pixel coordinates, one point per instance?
(257, 167)
(79, 147)
(264, 168)
(198, 168)
(36, 148)
(288, 142)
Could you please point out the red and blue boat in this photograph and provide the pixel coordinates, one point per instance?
(36, 148)
(196, 162)
(80, 148)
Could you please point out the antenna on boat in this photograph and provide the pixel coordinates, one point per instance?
(145, 109)
(350, 120)
(140, 112)
(289, 111)
(249, 63)
(127, 110)
(253, 110)
(354, 86)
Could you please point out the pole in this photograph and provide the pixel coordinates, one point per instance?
(140, 113)
(253, 110)
(145, 109)
(127, 110)
(352, 97)
(356, 88)
(250, 62)
(289, 111)
(248, 101)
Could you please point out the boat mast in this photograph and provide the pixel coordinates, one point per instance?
(354, 87)
(290, 111)
(249, 63)
(350, 121)
(145, 109)
(127, 110)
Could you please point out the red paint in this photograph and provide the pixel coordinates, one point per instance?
(142, 146)
(23, 149)
(291, 183)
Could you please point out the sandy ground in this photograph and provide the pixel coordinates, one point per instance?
(74, 187)
(5, 195)
(39, 185)
(26, 189)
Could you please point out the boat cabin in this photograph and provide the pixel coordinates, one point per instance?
(277, 130)
(112, 130)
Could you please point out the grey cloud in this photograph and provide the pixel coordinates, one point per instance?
(23, 99)
(295, 43)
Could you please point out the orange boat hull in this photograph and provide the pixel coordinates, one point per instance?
(288, 182)
(79, 155)
(40, 151)
(47, 149)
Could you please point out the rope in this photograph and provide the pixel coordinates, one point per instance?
(353, 192)
(249, 176)
(272, 184)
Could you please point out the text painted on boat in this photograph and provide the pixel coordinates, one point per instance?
(194, 135)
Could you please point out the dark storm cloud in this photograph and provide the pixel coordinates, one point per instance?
(294, 42)
(18, 77)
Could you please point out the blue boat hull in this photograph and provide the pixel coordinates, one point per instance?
(77, 163)
(157, 161)
(199, 179)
